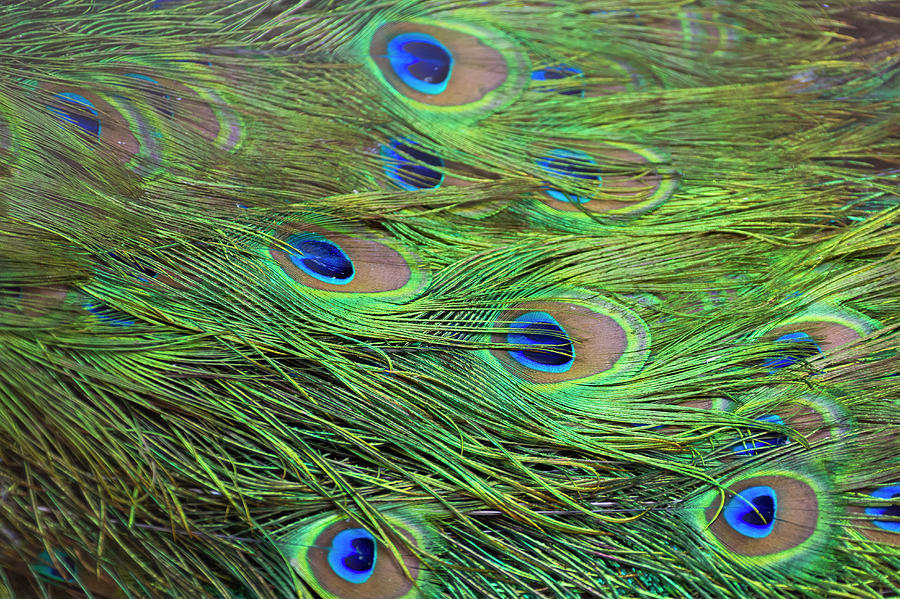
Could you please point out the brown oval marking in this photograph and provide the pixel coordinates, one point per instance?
(378, 268)
(116, 137)
(477, 70)
(795, 519)
(617, 189)
(388, 581)
(598, 340)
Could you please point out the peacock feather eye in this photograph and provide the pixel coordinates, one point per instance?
(420, 61)
(340, 559)
(821, 420)
(886, 518)
(456, 69)
(768, 517)
(45, 567)
(585, 339)
(760, 441)
(320, 258)
(557, 73)
(551, 349)
(616, 179)
(407, 165)
(201, 110)
(110, 123)
(752, 512)
(822, 327)
(344, 263)
(574, 164)
(77, 110)
(875, 513)
(804, 346)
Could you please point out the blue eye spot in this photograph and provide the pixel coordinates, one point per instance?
(421, 62)
(573, 164)
(553, 73)
(760, 442)
(321, 259)
(892, 511)
(402, 166)
(353, 554)
(555, 352)
(752, 512)
(107, 314)
(77, 110)
(807, 346)
(44, 567)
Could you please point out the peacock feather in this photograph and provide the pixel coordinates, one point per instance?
(449, 298)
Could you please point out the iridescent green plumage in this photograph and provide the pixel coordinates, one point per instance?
(449, 299)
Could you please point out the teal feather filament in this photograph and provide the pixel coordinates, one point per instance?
(45, 567)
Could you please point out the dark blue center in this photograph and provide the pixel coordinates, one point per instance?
(803, 346)
(163, 103)
(432, 64)
(326, 259)
(77, 110)
(763, 512)
(553, 351)
(892, 512)
(353, 554)
(752, 512)
(108, 314)
(421, 62)
(363, 557)
(572, 164)
(406, 166)
(546, 333)
(558, 72)
(321, 258)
